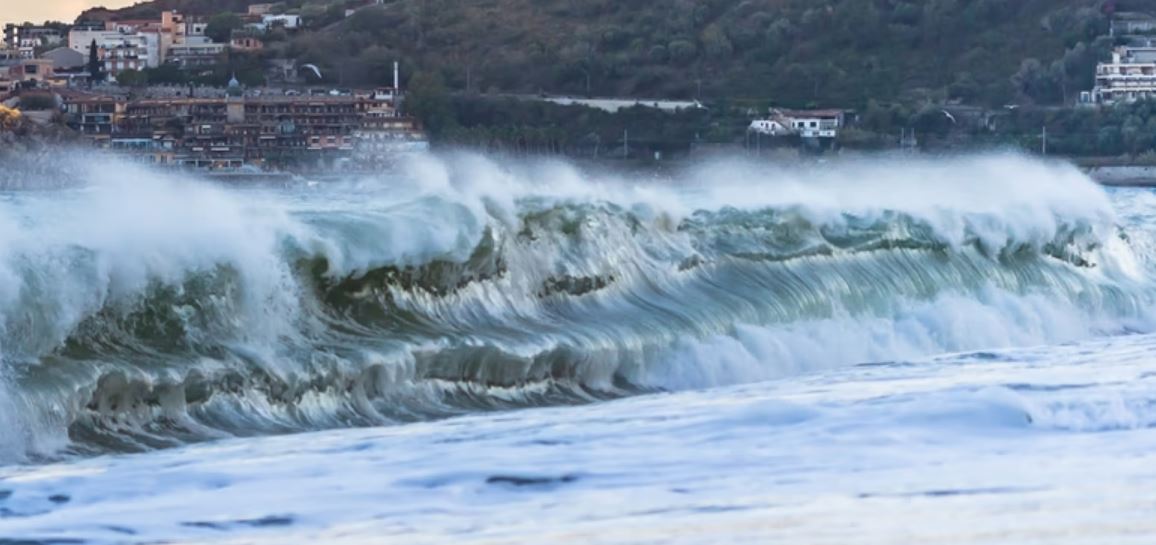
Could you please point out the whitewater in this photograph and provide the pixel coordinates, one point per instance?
(481, 350)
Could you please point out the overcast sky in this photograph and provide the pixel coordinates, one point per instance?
(37, 11)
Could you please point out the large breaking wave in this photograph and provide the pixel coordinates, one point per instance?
(141, 310)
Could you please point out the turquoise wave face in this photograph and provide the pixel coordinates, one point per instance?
(141, 311)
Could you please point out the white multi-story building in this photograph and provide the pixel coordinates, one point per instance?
(288, 22)
(118, 50)
(804, 123)
(1130, 76)
(26, 38)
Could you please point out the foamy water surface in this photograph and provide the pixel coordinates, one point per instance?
(956, 351)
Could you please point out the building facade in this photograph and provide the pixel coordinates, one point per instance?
(117, 50)
(31, 73)
(807, 124)
(1129, 76)
(270, 132)
(140, 44)
(1132, 23)
(26, 37)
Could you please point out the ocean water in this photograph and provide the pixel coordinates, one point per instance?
(476, 351)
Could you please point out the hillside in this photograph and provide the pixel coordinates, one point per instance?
(793, 52)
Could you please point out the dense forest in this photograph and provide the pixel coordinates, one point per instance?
(794, 52)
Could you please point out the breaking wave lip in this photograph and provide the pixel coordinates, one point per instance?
(143, 311)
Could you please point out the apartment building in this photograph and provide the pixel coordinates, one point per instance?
(139, 44)
(1129, 76)
(95, 117)
(25, 38)
(263, 131)
(117, 49)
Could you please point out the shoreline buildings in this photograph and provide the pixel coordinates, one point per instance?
(200, 127)
(269, 132)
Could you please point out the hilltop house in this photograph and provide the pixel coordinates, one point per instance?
(807, 124)
(246, 41)
(26, 38)
(148, 43)
(30, 72)
(1129, 23)
(1129, 76)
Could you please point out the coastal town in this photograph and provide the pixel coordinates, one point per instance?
(156, 90)
(72, 73)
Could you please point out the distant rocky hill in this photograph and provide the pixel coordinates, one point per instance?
(791, 52)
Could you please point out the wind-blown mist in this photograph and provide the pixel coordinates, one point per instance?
(142, 310)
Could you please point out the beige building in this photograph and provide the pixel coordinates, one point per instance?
(266, 131)
(32, 71)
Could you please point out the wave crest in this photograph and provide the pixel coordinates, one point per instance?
(464, 286)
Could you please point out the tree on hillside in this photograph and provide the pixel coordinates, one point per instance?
(167, 74)
(1036, 83)
(428, 101)
(132, 78)
(222, 25)
(94, 72)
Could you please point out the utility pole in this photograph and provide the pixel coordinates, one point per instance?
(1044, 141)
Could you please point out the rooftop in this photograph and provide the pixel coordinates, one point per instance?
(811, 113)
(1133, 16)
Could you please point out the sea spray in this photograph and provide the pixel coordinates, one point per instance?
(147, 309)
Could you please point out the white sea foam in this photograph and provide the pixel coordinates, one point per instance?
(670, 315)
(804, 445)
(956, 448)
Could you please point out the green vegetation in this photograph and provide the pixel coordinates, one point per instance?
(132, 78)
(248, 68)
(790, 52)
(222, 25)
(513, 125)
(94, 66)
(898, 63)
(1110, 132)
